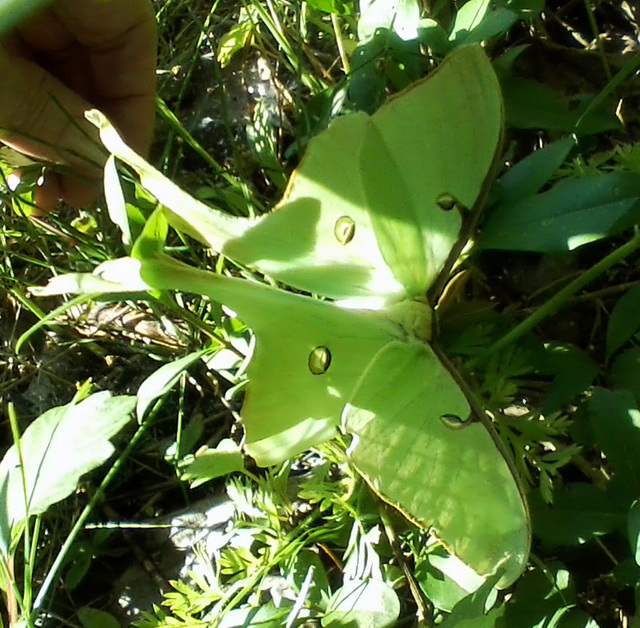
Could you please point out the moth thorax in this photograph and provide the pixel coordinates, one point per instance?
(415, 318)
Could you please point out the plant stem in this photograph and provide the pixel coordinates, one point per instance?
(88, 509)
(629, 68)
(424, 611)
(46, 318)
(556, 302)
(596, 31)
(270, 19)
(346, 66)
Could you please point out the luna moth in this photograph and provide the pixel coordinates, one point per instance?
(372, 220)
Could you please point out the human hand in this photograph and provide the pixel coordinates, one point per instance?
(74, 56)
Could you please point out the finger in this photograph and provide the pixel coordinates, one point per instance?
(43, 118)
(107, 52)
(56, 187)
(47, 194)
(121, 38)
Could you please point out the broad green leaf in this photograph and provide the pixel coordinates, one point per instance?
(488, 620)
(615, 418)
(573, 618)
(368, 81)
(162, 381)
(265, 616)
(237, 37)
(94, 618)
(531, 105)
(58, 448)
(625, 372)
(431, 459)
(530, 174)
(306, 562)
(399, 16)
(468, 17)
(539, 595)
(494, 24)
(362, 604)
(580, 512)
(477, 21)
(634, 530)
(624, 321)
(210, 463)
(627, 572)
(433, 36)
(573, 212)
(574, 372)
(471, 612)
(440, 578)
(340, 7)
(116, 204)
(5, 517)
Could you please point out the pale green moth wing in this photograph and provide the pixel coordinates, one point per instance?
(420, 449)
(308, 353)
(365, 206)
(305, 243)
(322, 229)
(307, 356)
(362, 217)
(425, 160)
